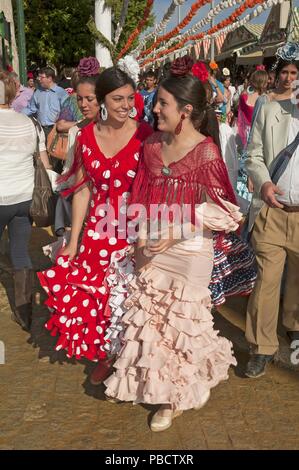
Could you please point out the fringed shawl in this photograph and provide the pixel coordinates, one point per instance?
(201, 172)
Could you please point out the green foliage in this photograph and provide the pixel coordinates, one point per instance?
(56, 31)
(97, 35)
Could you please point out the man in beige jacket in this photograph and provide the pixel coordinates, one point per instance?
(274, 217)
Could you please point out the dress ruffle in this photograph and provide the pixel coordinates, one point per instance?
(217, 218)
(170, 353)
(121, 273)
(234, 269)
(83, 295)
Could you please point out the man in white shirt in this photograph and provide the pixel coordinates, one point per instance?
(275, 236)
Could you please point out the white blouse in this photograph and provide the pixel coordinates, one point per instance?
(17, 145)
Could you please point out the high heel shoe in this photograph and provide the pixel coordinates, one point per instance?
(204, 400)
(102, 371)
(161, 423)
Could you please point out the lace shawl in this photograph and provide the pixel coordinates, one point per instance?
(201, 172)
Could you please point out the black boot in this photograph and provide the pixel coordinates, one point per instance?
(23, 288)
(257, 364)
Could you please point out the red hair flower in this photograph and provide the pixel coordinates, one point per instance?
(213, 65)
(200, 71)
(181, 66)
(260, 67)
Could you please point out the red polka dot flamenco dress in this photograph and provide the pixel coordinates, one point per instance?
(83, 293)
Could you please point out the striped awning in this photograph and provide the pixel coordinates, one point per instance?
(295, 32)
(250, 59)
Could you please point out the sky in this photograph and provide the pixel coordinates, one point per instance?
(161, 6)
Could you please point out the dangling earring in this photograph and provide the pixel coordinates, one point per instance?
(104, 112)
(178, 128)
(133, 112)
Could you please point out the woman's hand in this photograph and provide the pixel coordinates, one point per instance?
(70, 250)
(165, 240)
(140, 259)
(250, 186)
(159, 246)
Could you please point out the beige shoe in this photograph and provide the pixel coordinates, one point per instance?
(161, 423)
(204, 400)
(112, 399)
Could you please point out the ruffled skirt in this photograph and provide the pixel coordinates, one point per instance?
(170, 351)
(234, 270)
(81, 296)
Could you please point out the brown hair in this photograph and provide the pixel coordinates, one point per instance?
(188, 89)
(111, 79)
(259, 81)
(9, 87)
(91, 80)
(284, 63)
(49, 72)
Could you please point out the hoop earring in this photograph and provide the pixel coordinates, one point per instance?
(133, 112)
(178, 128)
(104, 112)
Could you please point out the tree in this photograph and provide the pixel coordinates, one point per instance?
(56, 31)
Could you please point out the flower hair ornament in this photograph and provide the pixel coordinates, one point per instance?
(200, 71)
(181, 66)
(130, 66)
(88, 67)
(289, 53)
(226, 72)
(213, 65)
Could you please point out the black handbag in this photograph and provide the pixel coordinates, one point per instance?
(42, 209)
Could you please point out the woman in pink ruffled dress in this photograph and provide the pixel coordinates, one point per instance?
(171, 355)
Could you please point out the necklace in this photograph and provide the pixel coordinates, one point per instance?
(166, 171)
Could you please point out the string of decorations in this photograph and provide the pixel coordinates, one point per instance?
(137, 30)
(227, 25)
(203, 22)
(174, 32)
(159, 27)
(212, 13)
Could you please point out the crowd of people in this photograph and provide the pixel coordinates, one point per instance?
(175, 192)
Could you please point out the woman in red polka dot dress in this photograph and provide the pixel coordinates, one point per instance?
(90, 278)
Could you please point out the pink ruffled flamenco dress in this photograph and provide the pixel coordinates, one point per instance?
(170, 353)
